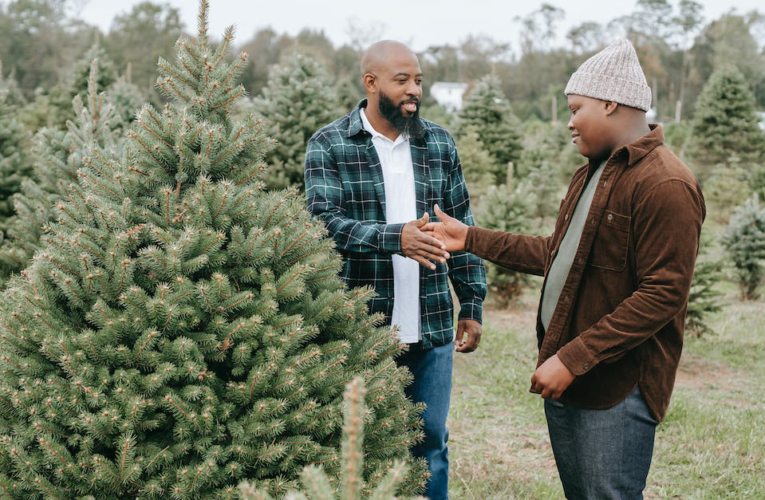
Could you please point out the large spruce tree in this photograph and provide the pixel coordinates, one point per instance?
(15, 163)
(182, 330)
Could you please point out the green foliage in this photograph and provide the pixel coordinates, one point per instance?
(296, 103)
(58, 158)
(319, 486)
(704, 297)
(725, 124)
(726, 187)
(181, 330)
(487, 109)
(745, 242)
(507, 207)
(127, 100)
(479, 166)
(14, 139)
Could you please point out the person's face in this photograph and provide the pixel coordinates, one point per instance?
(401, 82)
(589, 126)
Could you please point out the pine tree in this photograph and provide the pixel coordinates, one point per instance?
(507, 207)
(58, 157)
(182, 330)
(704, 297)
(479, 166)
(745, 242)
(14, 159)
(315, 482)
(127, 100)
(298, 101)
(725, 124)
(487, 109)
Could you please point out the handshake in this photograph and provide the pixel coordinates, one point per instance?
(430, 242)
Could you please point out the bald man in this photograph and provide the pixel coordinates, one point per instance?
(373, 176)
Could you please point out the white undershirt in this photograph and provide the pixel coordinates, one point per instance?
(400, 206)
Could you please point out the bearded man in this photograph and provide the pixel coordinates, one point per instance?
(373, 177)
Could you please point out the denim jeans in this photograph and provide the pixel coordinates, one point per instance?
(432, 370)
(602, 454)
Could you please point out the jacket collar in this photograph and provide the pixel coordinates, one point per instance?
(355, 125)
(638, 149)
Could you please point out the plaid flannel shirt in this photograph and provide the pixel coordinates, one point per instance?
(345, 188)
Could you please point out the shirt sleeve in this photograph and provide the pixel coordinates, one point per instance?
(466, 271)
(667, 226)
(325, 200)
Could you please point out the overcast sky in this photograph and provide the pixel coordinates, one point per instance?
(419, 23)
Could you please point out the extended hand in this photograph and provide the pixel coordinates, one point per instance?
(450, 231)
(551, 379)
(471, 331)
(422, 247)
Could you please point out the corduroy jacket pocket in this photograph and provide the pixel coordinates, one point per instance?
(609, 250)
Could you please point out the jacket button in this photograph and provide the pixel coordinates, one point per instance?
(586, 366)
(610, 218)
(565, 217)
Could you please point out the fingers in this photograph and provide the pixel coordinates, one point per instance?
(423, 262)
(441, 214)
(421, 221)
(430, 226)
(458, 338)
(470, 343)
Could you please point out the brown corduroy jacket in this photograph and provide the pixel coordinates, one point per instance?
(620, 318)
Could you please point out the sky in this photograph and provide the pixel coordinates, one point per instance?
(419, 23)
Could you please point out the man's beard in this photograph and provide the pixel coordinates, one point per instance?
(410, 126)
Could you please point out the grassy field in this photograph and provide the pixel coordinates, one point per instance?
(712, 444)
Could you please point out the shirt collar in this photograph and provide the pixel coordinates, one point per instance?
(638, 149)
(367, 125)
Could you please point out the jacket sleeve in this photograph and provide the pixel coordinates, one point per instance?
(325, 200)
(518, 252)
(667, 226)
(466, 271)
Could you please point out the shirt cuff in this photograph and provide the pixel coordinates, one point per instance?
(471, 310)
(390, 239)
(577, 357)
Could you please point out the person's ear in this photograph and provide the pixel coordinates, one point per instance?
(610, 107)
(370, 83)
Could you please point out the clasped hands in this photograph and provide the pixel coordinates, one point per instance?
(552, 377)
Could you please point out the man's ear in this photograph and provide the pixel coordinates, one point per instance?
(370, 83)
(610, 107)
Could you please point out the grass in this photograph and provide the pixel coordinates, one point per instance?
(712, 444)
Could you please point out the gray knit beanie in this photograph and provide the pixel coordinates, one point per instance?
(613, 74)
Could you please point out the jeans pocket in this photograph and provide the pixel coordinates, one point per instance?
(609, 250)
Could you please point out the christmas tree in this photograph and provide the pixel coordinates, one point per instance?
(704, 297)
(319, 486)
(725, 124)
(127, 100)
(480, 167)
(14, 160)
(488, 110)
(297, 102)
(182, 330)
(745, 242)
(507, 207)
(58, 157)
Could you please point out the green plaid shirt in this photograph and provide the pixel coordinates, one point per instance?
(344, 187)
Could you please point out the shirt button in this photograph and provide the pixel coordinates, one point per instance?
(586, 366)
(565, 217)
(610, 218)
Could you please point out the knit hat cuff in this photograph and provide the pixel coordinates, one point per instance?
(610, 88)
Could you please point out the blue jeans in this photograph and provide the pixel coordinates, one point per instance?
(432, 370)
(602, 454)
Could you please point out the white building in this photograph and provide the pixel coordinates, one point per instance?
(449, 94)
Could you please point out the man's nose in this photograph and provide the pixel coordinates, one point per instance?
(414, 89)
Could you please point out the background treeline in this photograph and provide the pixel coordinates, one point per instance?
(707, 77)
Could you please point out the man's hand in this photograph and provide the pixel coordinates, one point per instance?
(472, 329)
(551, 379)
(422, 247)
(450, 231)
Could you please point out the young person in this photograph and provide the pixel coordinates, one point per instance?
(618, 270)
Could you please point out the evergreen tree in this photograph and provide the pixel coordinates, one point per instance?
(297, 102)
(480, 167)
(127, 100)
(58, 157)
(704, 297)
(506, 207)
(319, 486)
(14, 160)
(745, 242)
(182, 330)
(725, 124)
(487, 109)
